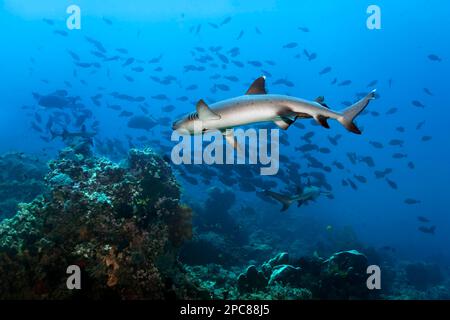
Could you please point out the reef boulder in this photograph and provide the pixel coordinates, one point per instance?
(121, 224)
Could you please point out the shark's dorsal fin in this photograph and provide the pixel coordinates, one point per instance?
(204, 112)
(258, 86)
(321, 101)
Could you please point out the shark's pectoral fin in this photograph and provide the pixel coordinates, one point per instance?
(284, 122)
(322, 121)
(258, 86)
(204, 112)
(231, 139)
(285, 207)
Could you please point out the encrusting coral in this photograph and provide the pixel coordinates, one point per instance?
(121, 224)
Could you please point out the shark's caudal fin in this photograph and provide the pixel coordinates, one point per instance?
(349, 114)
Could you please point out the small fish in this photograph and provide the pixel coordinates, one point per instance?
(392, 110)
(420, 125)
(290, 45)
(396, 142)
(399, 155)
(430, 230)
(325, 70)
(392, 184)
(426, 138)
(360, 178)
(377, 145)
(434, 57)
(345, 83)
(411, 201)
(427, 91)
(423, 219)
(418, 104)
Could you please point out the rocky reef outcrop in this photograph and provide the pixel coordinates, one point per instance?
(21, 180)
(121, 224)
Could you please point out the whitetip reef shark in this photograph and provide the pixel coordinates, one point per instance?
(303, 196)
(259, 106)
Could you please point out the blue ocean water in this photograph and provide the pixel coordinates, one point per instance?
(407, 55)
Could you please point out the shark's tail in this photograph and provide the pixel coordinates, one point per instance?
(348, 115)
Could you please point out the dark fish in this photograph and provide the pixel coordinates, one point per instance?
(325, 70)
(423, 219)
(107, 21)
(125, 113)
(396, 142)
(338, 165)
(426, 138)
(222, 87)
(392, 184)
(372, 83)
(427, 91)
(411, 165)
(368, 160)
(237, 63)
(411, 201)
(376, 144)
(160, 97)
(434, 57)
(141, 122)
(334, 140)
(304, 29)
(61, 33)
(48, 21)
(307, 147)
(345, 83)
(240, 35)
(392, 111)
(430, 230)
(290, 45)
(324, 150)
(400, 129)
(417, 104)
(352, 184)
(360, 178)
(192, 87)
(420, 125)
(225, 21)
(168, 108)
(255, 63)
(399, 155)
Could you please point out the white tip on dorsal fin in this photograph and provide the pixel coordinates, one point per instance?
(204, 112)
(258, 86)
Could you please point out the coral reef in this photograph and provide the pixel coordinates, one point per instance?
(342, 276)
(21, 180)
(122, 224)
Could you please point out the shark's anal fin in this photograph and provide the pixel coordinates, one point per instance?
(284, 122)
(322, 121)
(204, 112)
(258, 86)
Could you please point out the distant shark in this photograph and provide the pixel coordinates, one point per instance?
(70, 135)
(303, 196)
(259, 106)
